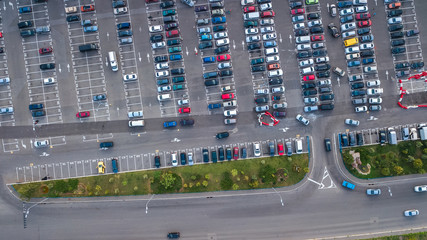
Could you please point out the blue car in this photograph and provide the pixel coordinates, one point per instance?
(214, 105)
(208, 59)
(175, 57)
(217, 20)
(353, 63)
(90, 29)
(169, 124)
(115, 165)
(99, 97)
(348, 185)
(270, 44)
(368, 60)
(25, 9)
(206, 37)
(347, 19)
(345, 4)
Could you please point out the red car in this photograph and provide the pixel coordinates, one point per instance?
(249, 9)
(363, 16)
(1, 34)
(222, 58)
(298, 11)
(84, 114)
(235, 153)
(308, 77)
(280, 149)
(45, 50)
(184, 110)
(365, 23)
(268, 14)
(315, 38)
(173, 33)
(227, 96)
(87, 8)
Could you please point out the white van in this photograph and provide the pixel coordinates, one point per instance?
(113, 61)
(298, 146)
(303, 39)
(307, 70)
(251, 16)
(136, 123)
(164, 97)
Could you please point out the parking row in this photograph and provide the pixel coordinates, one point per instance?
(87, 62)
(266, 69)
(168, 58)
(356, 24)
(315, 70)
(157, 159)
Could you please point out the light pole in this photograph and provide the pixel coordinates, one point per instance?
(27, 211)
(281, 200)
(146, 205)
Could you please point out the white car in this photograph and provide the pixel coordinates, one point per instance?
(262, 108)
(302, 119)
(278, 89)
(303, 47)
(231, 103)
(346, 11)
(271, 59)
(222, 42)
(421, 188)
(348, 26)
(41, 144)
(280, 105)
(307, 62)
(267, 29)
(324, 82)
(6, 110)
(257, 149)
(370, 69)
(361, 9)
(230, 113)
(158, 45)
(265, 6)
(130, 77)
(48, 81)
(374, 91)
(190, 158)
(265, 22)
(162, 74)
(164, 97)
(349, 34)
(366, 46)
(262, 91)
(155, 28)
(377, 100)
(220, 35)
(352, 56)
(349, 121)
(135, 114)
(160, 66)
(275, 73)
(322, 59)
(299, 26)
(269, 36)
(361, 109)
(224, 65)
(121, 10)
(164, 89)
(374, 83)
(251, 31)
(228, 121)
(251, 39)
(182, 102)
(349, 50)
(247, 2)
(174, 159)
(317, 45)
(411, 212)
(314, 23)
(394, 20)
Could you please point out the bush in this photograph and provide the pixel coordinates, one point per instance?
(418, 163)
(226, 181)
(398, 170)
(266, 173)
(235, 186)
(385, 171)
(405, 151)
(205, 183)
(418, 144)
(27, 190)
(234, 172)
(410, 158)
(424, 157)
(167, 180)
(425, 150)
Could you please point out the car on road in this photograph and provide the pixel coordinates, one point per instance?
(352, 122)
(373, 192)
(169, 124)
(411, 213)
(348, 185)
(328, 144)
(421, 188)
(361, 109)
(222, 135)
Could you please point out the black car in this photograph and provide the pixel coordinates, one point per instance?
(357, 85)
(169, 19)
(156, 38)
(47, 66)
(304, 54)
(309, 92)
(394, 13)
(26, 24)
(417, 65)
(261, 100)
(205, 45)
(201, 8)
(397, 42)
(219, 28)
(157, 161)
(362, 31)
(211, 82)
(171, 26)
(326, 97)
(1, 49)
(222, 49)
(326, 106)
(316, 30)
(163, 58)
(301, 32)
(412, 32)
(311, 16)
(174, 235)
(324, 74)
(328, 144)
(394, 35)
(382, 136)
(319, 53)
(126, 33)
(28, 33)
(397, 50)
(395, 27)
(221, 154)
(216, 5)
(167, 4)
(308, 85)
(258, 68)
(183, 157)
(359, 137)
(177, 71)
(205, 153)
(367, 53)
(295, 5)
(402, 73)
(254, 46)
(401, 65)
(225, 73)
(334, 30)
(279, 114)
(186, 122)
(322, 67)
(275, 81)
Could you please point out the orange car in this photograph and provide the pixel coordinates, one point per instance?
(394, 5)
(87, 8)
(273, 66)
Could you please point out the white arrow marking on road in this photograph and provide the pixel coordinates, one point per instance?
(389, 190)
(68, 67)
(140, 29)
(139, 56)
(4, 5)
(186, 51)
(60, 70)
(108, 35)
(376, 3)
(23, 145)
(106, 61)
(386, 73)
(234, 45)
(148, 57)
(338, 80)
(11, 4)
(290, 38)
(321, 185)
(195, 50)
(327, 5)
(280, 37)
(243, 45)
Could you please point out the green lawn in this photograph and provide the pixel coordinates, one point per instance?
(407, 157)
(409, 236)
(229, 175)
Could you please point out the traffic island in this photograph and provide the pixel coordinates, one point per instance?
(278, 171)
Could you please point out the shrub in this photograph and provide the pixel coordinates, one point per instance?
(424, 157)
(226, 181)
(205, 183)
(385, 171)
(398, 170)
(418, 144)
(418, 163)
(167, 180)
(266, 173)
(235, 186)
(234, 172)
(193, 177)
(421, 171)
(207, 176)
(135, 188)
(425, 150)
(410, 159)
(110, 180)
(306, 170)
(125, 182)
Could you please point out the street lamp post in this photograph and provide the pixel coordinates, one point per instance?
(146, 205)
(25, 211)
(281, 199)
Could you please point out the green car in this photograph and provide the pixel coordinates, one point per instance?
(178, 87)
(169, 12)
(175, 49)
(309, 2)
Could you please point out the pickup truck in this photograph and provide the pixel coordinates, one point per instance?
(70, 9)
(348, 185)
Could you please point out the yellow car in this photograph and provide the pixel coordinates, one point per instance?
(101, 167)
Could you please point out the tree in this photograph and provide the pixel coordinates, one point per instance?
(418, 163)
(167, 180)
(398, 170)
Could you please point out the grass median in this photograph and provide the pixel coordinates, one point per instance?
(409, 236)
(278, 171)
(374, 161)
